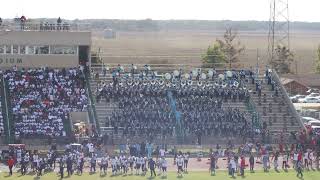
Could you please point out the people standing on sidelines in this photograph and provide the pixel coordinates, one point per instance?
(295, 159)
(164, 165)
(285, 159)
(251, 163)
(299, 169)
(180, 162)
(306, 160)
(93, 162)
(265, 160)
(213, 165)
(131, 163)
(138, 165)
(80, 164)
(10, 165)
(69, 166)
(186, 160)
(311, 159)
(233, 166)
(114, 165)
(152, 166)
(104, 165)
(242, 166)
(275, 160)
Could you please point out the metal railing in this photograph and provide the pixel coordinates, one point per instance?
(287, 99)
(30, 26)
(91, 106)
(9, 123)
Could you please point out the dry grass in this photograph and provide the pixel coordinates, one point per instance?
(184, 47)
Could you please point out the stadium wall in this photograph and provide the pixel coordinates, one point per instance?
(38, 61)
(39, 48)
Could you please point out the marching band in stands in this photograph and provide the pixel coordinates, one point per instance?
(145, 109)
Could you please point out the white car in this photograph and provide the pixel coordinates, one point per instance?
(295, 98)
(309, 100)
(313, 95)
(313, 90)
(306, 119)
(314, 124)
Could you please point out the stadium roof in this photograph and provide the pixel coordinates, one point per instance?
(311, 80)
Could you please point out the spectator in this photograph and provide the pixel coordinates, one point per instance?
(59, 21)
(42, 98)
(10, 164)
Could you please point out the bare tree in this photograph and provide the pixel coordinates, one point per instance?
(231, 46)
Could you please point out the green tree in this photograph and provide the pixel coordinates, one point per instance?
(318, 61)
(282, 60)
(227, 50)
(214, 55)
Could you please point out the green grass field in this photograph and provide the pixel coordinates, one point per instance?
(221, 175)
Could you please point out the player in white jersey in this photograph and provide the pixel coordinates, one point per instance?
(131, 161)
(164, 165)
(306, 159)
(311, 159)
(26, 160)
(114, 165)
(158, 165)
(138, 164)
(35, 158)
(144, 165)
(124, 165)
(104, 165)
(118, 164)
(180, 166)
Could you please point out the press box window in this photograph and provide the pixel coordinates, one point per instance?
(22, 49)
(1, 49)
(63, 50)
(15, 49)
(8, 49)
(30, 49)
(42, 50)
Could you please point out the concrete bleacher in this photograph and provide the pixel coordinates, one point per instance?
(281, 118)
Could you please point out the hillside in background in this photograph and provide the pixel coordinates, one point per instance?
(163, 25)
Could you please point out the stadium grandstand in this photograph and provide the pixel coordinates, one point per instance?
(51, 91)
(172, 103)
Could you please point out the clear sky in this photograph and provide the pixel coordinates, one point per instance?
(300, 10)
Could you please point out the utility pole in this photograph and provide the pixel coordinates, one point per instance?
(258, 60)
(279, 27)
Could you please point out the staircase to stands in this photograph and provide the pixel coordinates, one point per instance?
(277, 112)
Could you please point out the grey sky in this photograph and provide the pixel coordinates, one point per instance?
(300, 10)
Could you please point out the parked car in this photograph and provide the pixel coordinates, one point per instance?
(313, 90)
(309, 100)
(306, 119)
(314, 124)
(295, 98)
(313, 95)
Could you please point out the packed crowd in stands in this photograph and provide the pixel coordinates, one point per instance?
(145, 107)
(42, 98)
